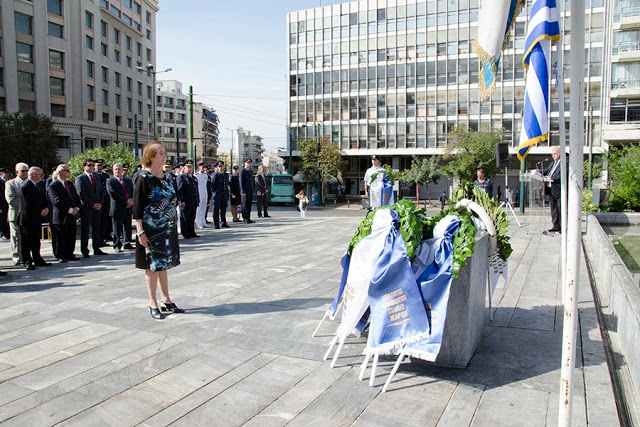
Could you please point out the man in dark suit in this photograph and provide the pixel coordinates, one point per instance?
(105, 224)
(89, 187)
(234, 192)
(4, 205)
(219, 198)
(121, 194)
(262, 193)
(552, 176)
(246, 191)
(65, 206)
(33, 208)
(188, 194)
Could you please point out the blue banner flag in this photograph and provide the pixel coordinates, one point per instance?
(398, 316)
(333, 308)
(496, 18)
(543, 30)
(433, 267)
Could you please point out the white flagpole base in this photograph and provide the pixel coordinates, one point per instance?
(337, 354)
(331, 344)
(319, 324)
(393, 371)
(363, 367)
(490, 293)
(373, 369)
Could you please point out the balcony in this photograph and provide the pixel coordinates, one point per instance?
(628, 88)
(629, 17)
(626, 52)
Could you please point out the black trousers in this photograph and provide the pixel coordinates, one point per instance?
(128, 229)
(30, 235)
(64, 236)
(554, 204)
(4, 224)
(188, 220)
(246, 207)
(223, 211)
(117, 224)
(90, 220)
(105, 224)
(218, 211)
(263, 203)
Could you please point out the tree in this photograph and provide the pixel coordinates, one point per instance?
(30, 138)
(624, 169)
(224, 157)
(112, 154)
(422, 172)
(468, 150)
(322, 159)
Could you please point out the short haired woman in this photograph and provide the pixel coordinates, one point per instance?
(154, 210)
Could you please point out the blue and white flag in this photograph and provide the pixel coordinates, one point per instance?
(381, 192)
(398, 316)
(433, 269)
(333, 308)
(543, 30)
(496, 18)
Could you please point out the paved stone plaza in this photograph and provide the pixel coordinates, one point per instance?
(78, 347)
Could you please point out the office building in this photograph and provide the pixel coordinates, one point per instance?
(205, 133)
(76, 61)
(394, 77)
(248, 146)
(171, 118)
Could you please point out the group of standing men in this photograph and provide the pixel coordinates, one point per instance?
(31, 202)
(213, 189)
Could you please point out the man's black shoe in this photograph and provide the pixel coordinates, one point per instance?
(3, 273)
(85, 255)
(553, 230)
(225, 225)
(73, 258)
(61, 260)
(129, 246)
(29, 266)
(42, 263)
(217, 227)
(103, 244)
(99, 252)
(249, 221)
(267, 216)
(195, 236)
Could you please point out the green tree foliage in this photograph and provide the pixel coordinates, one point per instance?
(30, 138)
(468, 150)
(111, 154)
(422, 172)
(326, 160)
(596, 171)
(624, 169)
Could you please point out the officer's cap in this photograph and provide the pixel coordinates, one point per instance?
(202, 164)
(181, 164)
(125, 166)
(188, 163)
(99, 161)
(4, 170)
(236, 167)
(374, 157)
(248, 160)
(167, 163)
(107, 166)
(220, 162)
(139, 166)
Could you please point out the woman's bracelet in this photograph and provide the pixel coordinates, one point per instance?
(140, 233)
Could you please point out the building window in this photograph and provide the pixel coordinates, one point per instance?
(130, 123)
(116, 36)
(88, 42)
(91, 93)
(104, 49)
(137, 8)
(25, 81)
(139, 49)
(129, 105)
(58, 110)
(56, 59)
(2, 78)
(127, 19)
(104, 29)
(55, 30)
(139, 88)
(105, 97)
(26, 106)
(90, 69)
(148, 17)
(118, 120)
(116, 55)
(140, 109)
(23, 23)
(56, 86)
(128, 61)
(148, 34)
(127, 42)
(105, 118)
(88, 19)
(91, 115)
(149, 94)
(118, 101)
(149, 55)
(117, 79)
(24, 52)
(127, 3)
(105, 75)
(54, 7)
(136, 25)
(114, 10)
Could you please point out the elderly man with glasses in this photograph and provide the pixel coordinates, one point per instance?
(33, 209)
(65, 205)
(12, 193)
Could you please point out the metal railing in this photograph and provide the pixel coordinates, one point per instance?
(626, 12)
(626, 47)
(625, 84)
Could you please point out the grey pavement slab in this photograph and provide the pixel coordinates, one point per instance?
(78, 347)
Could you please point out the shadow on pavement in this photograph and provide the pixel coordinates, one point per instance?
(233, 309)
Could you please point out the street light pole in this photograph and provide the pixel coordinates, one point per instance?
(153, 101)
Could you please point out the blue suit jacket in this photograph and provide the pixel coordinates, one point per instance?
(88, 194)
(118, 207)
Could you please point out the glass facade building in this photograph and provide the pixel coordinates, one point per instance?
(394, 77)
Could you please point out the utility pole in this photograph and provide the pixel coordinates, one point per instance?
(117, 134)
(81, 139)
(523, 169)
(177, 147)
(191, 146)
(135, 136)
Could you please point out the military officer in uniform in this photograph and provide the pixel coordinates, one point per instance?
(218, 180)
(225, 202)
(246, 191)
(188, 193)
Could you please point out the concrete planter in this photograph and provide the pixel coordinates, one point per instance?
(466, 309)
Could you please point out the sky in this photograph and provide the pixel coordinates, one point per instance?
(234, 54)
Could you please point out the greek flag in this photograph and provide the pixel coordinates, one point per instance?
(496, 18)
(543, 29)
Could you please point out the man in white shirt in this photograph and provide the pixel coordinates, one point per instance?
(12, 193)
(201, 211)
(376, 165)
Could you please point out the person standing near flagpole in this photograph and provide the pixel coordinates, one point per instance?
(553, 178)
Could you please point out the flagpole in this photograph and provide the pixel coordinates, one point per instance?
(570, 323)
(563, 156)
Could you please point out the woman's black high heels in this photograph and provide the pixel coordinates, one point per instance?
(170, 307)
(156, 314)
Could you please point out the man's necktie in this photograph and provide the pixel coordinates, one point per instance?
(93, 182)
(66, 187)
(126, 193)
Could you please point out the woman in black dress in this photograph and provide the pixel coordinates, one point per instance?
(154, 210)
